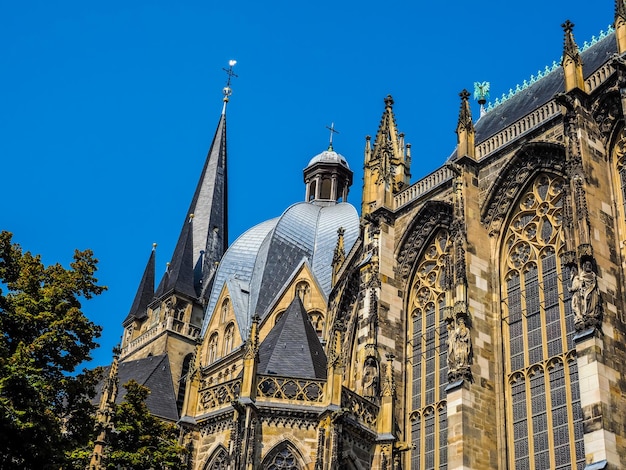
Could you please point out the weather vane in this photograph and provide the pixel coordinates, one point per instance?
(332, 130)
(227, 91)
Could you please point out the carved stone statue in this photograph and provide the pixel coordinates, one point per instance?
(459, 350)
(462, 344)
(370, 378)
(586, 302)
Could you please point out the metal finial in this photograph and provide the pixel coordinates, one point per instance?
(227, 90)
(154, 245)
(332, 130)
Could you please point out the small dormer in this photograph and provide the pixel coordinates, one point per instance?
(327, 177)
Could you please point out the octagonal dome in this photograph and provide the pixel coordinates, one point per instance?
(258, 266)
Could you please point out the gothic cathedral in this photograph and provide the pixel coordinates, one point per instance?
(472, 319)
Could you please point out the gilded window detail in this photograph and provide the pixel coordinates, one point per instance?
(429, 357)
(542, 399)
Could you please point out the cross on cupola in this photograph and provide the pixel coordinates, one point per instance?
(332, 130)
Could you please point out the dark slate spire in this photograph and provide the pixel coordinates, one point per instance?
(179, 277)
(203, 241)
(145, 292)
(292, 348)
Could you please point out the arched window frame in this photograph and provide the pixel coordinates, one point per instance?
(428, 355)
(284, 456)
(229, 336)
(537, 329)
(212, 347)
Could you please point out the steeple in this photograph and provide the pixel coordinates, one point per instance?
(465, 129)
(204, 235)
(145, 292)
(387, 165)
(620, 26)
(572, 63)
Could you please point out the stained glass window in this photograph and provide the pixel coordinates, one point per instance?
(540, 366)
(429, 428)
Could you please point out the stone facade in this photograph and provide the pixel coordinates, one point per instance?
(477, 321)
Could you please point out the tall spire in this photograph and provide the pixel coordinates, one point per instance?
(145, 292)
(572, 63)
(204, 235)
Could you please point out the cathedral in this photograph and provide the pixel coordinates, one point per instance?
(474, 318)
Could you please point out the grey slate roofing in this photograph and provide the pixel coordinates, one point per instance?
(152, 372)
(292, 348)
(265, 257)
(540, 92)
(145, 293)
(203, 239)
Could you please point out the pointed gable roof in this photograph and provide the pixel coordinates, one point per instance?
(203, 240)
(152, 372)
(292, 348)
(145, 293)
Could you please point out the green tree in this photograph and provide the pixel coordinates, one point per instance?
(140, 440)
(45, 409)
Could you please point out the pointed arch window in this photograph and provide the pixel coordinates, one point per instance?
(428, 359)
(317, 320)
(212, 348)
(303, 290)
(224, 311)
(283, 457)
(229, 335)
(218, 461)
(541, 390)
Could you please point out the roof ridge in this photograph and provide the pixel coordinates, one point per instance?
(547, 70)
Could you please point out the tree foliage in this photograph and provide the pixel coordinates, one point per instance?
(45, 408)
(140, 440)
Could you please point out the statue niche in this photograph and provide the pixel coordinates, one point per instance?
(586, 300)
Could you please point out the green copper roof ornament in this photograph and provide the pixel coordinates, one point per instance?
(481, 94)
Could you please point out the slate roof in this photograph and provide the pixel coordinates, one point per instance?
(540, 92)
(292, 348)
(264, 258)
(153, 372)
(145, 293)
(204, 238)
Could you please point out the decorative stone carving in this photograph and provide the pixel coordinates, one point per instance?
(370, 378)
(530, 160)
(432, 216)
(586, 299)
(459, 350)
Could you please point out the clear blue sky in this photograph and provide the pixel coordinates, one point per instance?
(107, 109)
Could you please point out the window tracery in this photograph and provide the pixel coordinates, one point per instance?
(229, 334)
(212, 348)
(429, 356)
(282, 458)
(219, 460)
(542, 398)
